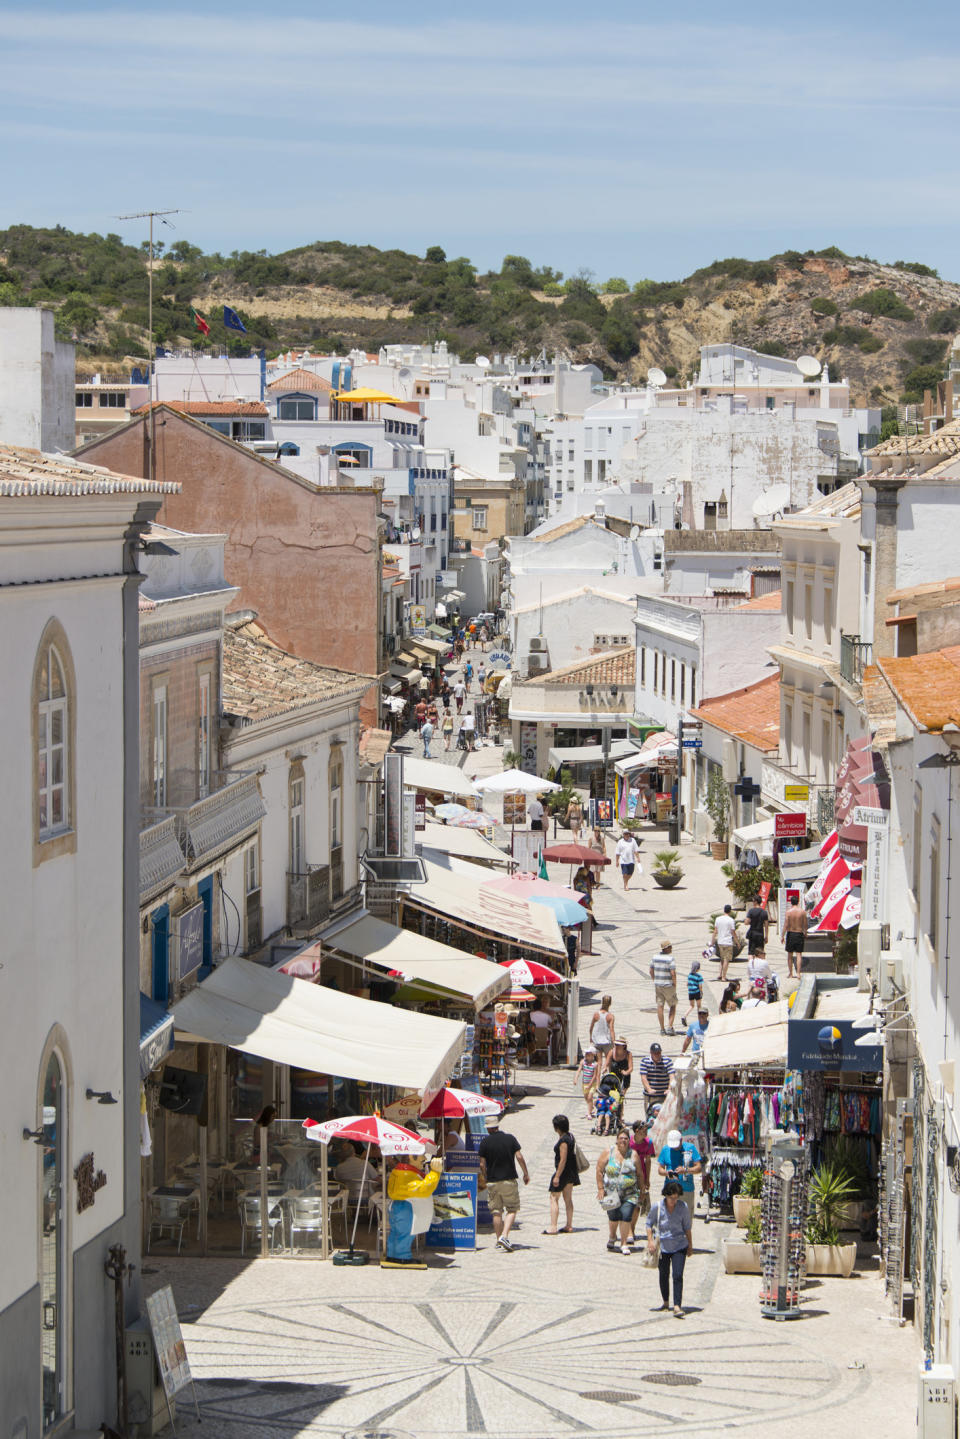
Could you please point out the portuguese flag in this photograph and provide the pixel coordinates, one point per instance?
(200, 323)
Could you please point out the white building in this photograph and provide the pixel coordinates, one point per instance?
(595, 549)
(744, 563)
(572, 707)
(569, 627)
(36, 382)
(69, 1020)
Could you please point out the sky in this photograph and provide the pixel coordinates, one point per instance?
(619, 140)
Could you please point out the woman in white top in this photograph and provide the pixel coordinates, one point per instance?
(603, 1027)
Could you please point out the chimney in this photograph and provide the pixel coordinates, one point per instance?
(886, 488)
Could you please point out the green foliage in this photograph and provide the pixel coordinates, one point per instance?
(771, 347)
(666, 861)
(920, 378)
(927, 352)
(745, 883)
(751, 1184)
(717, 803)
(754, 1228)
(871, 344)
(558, 799)
(619, 332)
(915, 268)
(435, 255)
(616, 285)
(883, 303)
(761, 272)
(831, 1189)
(889, 428)
(670, 371)
(511, 759)
(821, 305)
(854, 337)
(944, 322)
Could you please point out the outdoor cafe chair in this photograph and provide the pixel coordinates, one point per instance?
(167, 1212)
(249, 1205)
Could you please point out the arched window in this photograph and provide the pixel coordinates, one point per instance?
(54, 730)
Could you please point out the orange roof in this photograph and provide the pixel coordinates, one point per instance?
(927, 686)
(300, 380)
(752, 714)
(763, 602)
(616, 667)
(412, 405)
(917, 592)
(209, 407)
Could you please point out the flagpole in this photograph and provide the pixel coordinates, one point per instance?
(144, 215)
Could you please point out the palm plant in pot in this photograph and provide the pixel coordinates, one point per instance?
(717, 805)
(666, 872)
(831, 1190)
(747, 1202)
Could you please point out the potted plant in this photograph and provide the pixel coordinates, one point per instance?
(666, 872)
(744, 884)
(717, 805)
(747, 1202)
(831, 1190)
(745, 1256)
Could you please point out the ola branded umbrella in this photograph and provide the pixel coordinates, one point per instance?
(458, 1103)
(528, 971)
(366, 1129)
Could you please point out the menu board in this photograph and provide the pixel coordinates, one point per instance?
(168, 1342)
(454, 1210)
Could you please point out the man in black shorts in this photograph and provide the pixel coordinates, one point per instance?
(794, 936)
(758, 926)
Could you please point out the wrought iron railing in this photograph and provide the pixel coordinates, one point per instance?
(855, 653)
(308, 896)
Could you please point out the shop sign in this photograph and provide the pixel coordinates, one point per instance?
(454, 1211)
(526, 844)
(873, 884)
(528, 747)
(418, 620)
(765, 889)
(168, 1342)
(190, 948)
(515, 808)
(799, 793)
(88, 1181)
(789, 826)
(498, 660)
(813, 1044)
(862, 814)
(601, 813)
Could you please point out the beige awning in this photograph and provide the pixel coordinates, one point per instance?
(291, 1021)
(440, 966)
(757, 1035)
(468, 843)
(469, 902)
(435, 777)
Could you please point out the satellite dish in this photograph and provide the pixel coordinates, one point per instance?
(482, 362)
(809, 366)
(415, 532)
(656, 376)
(404, 374)
(635, 532)
(772, 501)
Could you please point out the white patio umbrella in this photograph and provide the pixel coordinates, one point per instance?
(514, 780)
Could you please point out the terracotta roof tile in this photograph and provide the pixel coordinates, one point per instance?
(24, 471)
(879, 706)
(927, 686)
(569, 527)
(244, 408)
(945, 441)
(300, 380)
(752, 714)
(772, 601)
(924, 591)
(261, 680)
(616, 667)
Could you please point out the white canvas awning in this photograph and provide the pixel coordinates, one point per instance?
(757, 836)
(290, 1021)
(438, 778)
(450, 839)
(592, 753)
(471, 903)
(751, 1036)
(417, 958)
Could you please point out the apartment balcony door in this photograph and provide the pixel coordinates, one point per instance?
(52, 1288)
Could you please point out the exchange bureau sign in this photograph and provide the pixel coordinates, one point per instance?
(88, 1182)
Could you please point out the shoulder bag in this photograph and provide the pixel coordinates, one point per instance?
(582, 1162)
(647, 1259)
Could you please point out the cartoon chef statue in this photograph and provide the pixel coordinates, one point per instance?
(409, 1190)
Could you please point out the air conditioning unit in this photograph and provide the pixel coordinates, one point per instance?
(536, 663)
(538, 645)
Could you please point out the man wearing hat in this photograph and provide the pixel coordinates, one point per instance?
(655, 1074)
(696, 1031)
(679, 1160)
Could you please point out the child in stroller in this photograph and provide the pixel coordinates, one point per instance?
(608, 1105)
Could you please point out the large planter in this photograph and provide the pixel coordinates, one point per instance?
(743, 1207)
(667, 879)
(835, 1259)
(718, 848)
(739, 1257)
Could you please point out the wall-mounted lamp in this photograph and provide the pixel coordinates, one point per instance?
(613, 691)
(102, 1096)
(590, 691)
(37, 1135)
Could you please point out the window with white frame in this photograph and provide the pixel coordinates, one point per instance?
(828, 615)
(933, 898)
(788, 603)
(159, 743)
(479, 517)
(917, 843)
(53, 754)
(693, 686)
(296, 824)
(251, 870)
(336, 800)
(203, 734)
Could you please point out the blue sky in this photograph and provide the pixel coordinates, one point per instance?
(618, 139)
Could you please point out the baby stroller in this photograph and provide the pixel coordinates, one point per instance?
(608, 1105)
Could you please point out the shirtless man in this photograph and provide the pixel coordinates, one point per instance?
(794, 935)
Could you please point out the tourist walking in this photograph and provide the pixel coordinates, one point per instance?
(564, 1177)
(724, 934)
(669, 1224)
(696, 1031)
(678, 1161)
(620, 1062)
(426, 734)
(603, 1027)
(694, 989)
(656, 1071)
(644, 1153)
(663, 972)
(459, 695)
(500, 1154)
(447, 729)
(574, 817)
(628, 857)
(794, 937)
(617, 1190)
(588, 1072)
(758, 928)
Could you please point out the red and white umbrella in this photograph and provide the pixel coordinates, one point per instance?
(830, 898)
(389, 1138)
(528, 971)
(829, 844)
(843, 913)
(458, 1103)
(832, 871)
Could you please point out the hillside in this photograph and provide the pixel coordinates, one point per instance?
(886, 327)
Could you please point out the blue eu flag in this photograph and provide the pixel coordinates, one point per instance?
(232, 321)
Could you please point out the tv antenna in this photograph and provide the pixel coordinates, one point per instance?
(151, 215)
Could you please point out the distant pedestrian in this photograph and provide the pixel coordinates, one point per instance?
(564, 1177)
(500, 1154)
(620, 1062)
(420, 713)
(574, 817)
(758, 928)
(468, 731)
(794, 937)
(724, 934)
(759, 972)
(459, 695)
(694, 988)
(730, 1000)
(696, 1031)
(617, 1190)
(644, 1152)
(670, 1223)
(603, 1027)
(586, 1076)
(481, 677)
(468, 674)
(426, 734)
(447, 729)
(663, 972)
(628, 857)
(535, 811)
(656, 1071)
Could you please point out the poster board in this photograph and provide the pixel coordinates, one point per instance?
(515, 807)
(168, 1342)
(454, 1210)
(527, 844)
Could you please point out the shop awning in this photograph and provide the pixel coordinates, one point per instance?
(440, 633)
(409, 672)
(156, 1033)
(429, 649)
(469, 902)
(263, 1012)
(751, 1036)
(801, 865)
(757, 836)
(430, 774)
(451, 971)
(450, 839)
(591, 753)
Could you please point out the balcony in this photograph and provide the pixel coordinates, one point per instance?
(855, 654)
(204, 826)
(308, 896)
(161, 857)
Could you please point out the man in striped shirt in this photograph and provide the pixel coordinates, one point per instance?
(663, 972)
(655, 1072)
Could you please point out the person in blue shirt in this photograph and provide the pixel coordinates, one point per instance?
(696, 1031)
(694, 989)
(670, 1223)
(679, 1160)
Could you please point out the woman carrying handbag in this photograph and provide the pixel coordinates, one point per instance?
(670, 1223)
(617, 1190)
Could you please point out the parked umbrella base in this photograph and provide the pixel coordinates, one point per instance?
(401, 1264)
(349, 1256)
